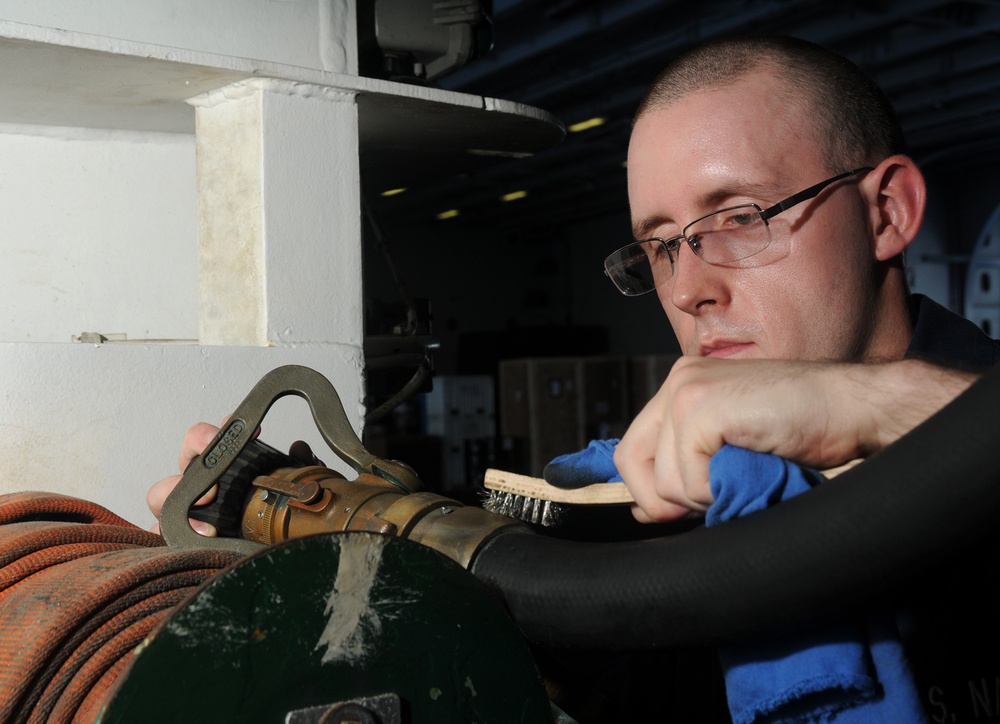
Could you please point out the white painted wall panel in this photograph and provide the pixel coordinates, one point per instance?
(98, 233)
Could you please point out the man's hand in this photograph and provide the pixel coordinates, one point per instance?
(195, 441)
(815, 414)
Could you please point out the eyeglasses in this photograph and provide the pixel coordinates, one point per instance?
(722, 237)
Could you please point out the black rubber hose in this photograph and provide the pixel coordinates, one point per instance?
(863, 535)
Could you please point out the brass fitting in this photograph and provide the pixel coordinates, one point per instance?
(293, 502)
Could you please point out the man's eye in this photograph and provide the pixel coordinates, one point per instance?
(745, 218)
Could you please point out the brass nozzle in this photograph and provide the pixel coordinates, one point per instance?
(294, 502)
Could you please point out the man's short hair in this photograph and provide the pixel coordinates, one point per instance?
(855, 119)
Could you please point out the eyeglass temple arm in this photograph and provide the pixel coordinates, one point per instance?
(808, 193)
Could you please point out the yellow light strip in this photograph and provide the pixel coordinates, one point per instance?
(587, 125)
(514, 196)
(449, 214)
(393, 192)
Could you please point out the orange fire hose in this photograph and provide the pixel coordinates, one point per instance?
(80, 588)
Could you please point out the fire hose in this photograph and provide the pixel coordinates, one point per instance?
(80, 588)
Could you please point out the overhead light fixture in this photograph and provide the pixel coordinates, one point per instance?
(449, 214)
(587, 125)
(514, 196)
(393, 192)
(500, 154)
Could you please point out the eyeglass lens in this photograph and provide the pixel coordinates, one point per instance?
(723, 237)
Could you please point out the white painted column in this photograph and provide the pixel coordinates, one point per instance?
(279, 215)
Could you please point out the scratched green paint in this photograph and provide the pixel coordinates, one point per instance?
(250, 646)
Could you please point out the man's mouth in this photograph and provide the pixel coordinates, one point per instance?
(724, 349)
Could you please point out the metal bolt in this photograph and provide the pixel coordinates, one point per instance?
(264, 495)
(260, 513)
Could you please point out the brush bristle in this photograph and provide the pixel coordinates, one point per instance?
(530, 510)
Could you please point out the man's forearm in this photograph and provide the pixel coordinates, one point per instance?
(904, 394)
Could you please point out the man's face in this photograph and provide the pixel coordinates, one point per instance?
(811, 293)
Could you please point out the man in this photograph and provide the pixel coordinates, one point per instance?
(756, 122)
(772, 201)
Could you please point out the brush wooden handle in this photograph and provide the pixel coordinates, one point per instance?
(596, 494)
(529, 487)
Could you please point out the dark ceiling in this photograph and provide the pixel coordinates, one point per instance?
(938, 61)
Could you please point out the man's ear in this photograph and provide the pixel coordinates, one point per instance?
(897, 195)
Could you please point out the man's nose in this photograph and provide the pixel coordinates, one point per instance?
(696, 284)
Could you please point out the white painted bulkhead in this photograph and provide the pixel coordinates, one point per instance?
(207, 254)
